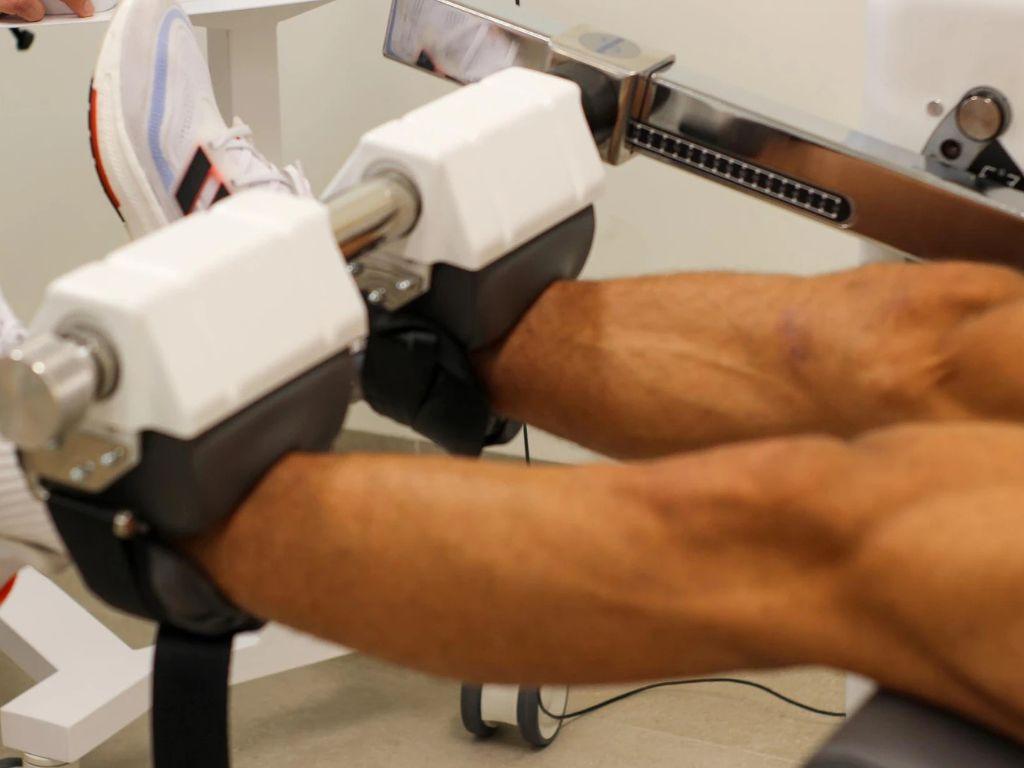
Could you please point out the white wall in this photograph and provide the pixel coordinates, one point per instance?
(335, 84)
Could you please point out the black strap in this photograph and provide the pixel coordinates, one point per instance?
(190, 670)
(418, 375)
(190, 700)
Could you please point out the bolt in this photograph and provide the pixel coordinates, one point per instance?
(405, 285)
(936, 108)
(981, 118)
(80, 473)
(377, 296)
(355, 269)
(110, 458)
(125, 526)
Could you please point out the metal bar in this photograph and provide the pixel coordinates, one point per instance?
(379, 210)
(837, 176)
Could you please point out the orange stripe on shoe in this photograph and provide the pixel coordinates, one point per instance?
(94, 145)
(5, 590)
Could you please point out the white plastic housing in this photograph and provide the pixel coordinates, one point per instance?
(496, 164)
(214, 312)
(923, 50)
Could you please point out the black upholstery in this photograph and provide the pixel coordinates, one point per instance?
(896, 732)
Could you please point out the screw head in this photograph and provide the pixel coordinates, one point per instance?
(110, 458)
(124, 526)
(936, 108)
(404, 285)
(377, 296)
(981, 118)
(355, 269)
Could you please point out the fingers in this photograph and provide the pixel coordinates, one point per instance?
(29, 10)
(81, 7)
(33, 10)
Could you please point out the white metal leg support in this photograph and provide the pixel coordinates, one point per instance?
(92, 684)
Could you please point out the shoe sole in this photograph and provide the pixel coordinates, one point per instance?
(118, 167)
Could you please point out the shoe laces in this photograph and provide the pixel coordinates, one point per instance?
(248, 168)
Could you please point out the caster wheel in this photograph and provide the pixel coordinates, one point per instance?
(537, 727)
(472, 712)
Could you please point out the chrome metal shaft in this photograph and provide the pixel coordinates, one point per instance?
(381, 209)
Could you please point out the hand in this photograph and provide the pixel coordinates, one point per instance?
(34, 10)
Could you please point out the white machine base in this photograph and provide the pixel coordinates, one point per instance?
(91, 684)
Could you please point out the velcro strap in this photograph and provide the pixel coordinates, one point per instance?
(201, 184)
(190, 700)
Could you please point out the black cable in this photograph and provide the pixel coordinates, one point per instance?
(526, 444)
(697, 681)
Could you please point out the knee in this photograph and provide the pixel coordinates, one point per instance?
(936, 326)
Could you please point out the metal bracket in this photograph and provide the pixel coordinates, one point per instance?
(970, 130)
(388, 280)
(84, 460)
(626, 65)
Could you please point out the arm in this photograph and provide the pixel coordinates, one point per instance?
(892, 556)
(648, 367)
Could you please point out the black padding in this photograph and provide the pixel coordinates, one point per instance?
(479, 308)
(190, 700)
(599, 94)
(184, 487)
(142, 576)
(108, 565)
(896, 732)
(418, 375)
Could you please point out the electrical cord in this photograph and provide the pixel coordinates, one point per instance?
(697, 681)
(674, 683)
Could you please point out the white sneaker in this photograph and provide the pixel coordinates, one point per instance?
(161, 147)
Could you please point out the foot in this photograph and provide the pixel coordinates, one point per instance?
(161, 148)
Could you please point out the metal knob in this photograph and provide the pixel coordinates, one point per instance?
(981, 117)
(47, 384)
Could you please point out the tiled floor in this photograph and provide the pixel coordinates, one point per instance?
(355, 712)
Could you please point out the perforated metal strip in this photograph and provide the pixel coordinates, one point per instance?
(739, 173)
